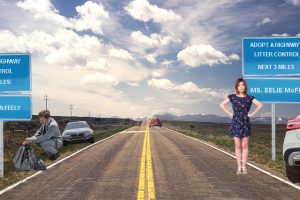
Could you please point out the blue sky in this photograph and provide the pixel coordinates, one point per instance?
(140, 58)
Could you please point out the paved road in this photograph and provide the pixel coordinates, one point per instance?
(183, 169)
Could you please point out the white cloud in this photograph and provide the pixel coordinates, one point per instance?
(280, 35)
(121, 53)
(199, 55)
(166, 63)
(154, 40)
(99, 79)
(158, 73)
(266, 20)
(100, 64)
(149, 98)
(293, 2)
(186, 88)
(151, 58)
(45, 10)
(175, 111)
(161, 83)
(91, 17)
(144, 11)
(298, 35)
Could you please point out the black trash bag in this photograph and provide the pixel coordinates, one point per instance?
(25, 160)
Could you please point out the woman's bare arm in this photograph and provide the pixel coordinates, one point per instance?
(223, 107)
(258, 107)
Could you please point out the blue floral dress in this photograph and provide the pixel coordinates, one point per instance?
(240, 124)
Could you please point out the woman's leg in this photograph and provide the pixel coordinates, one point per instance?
(245, 141)
(238, 150)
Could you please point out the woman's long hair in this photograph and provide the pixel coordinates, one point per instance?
(237, 84)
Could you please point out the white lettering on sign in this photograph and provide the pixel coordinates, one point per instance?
(10, 61)
(10, 107)
(284, 44)
(5, 82)
(275, 54)
(259, 44)
(5, 71)
(275, 44)
(292, 90)
(273, 90)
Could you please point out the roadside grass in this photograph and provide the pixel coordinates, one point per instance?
(260, 146)
(11, 175)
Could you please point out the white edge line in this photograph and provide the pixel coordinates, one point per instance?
(231, 155)
(52, 165)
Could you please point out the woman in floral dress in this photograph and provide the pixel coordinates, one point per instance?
(240, 128)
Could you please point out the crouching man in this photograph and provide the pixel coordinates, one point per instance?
(48, 137)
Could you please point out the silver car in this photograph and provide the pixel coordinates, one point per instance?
(77, 131)
(291, 149)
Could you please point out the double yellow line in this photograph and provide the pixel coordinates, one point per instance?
(146, 182)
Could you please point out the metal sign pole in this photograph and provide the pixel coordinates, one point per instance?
(1, 150)
(273, 132)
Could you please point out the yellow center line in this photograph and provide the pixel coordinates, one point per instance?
(146, 172)
(151, 190)
(141, 189)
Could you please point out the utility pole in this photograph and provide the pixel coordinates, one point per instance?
(99, 119)
(89, 114)
(71, 109)
(46, 99)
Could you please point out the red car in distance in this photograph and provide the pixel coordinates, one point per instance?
(155, 122)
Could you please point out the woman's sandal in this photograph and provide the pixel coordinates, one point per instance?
(239, 171)
(244, 170)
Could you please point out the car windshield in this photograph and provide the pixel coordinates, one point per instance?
(74, 125)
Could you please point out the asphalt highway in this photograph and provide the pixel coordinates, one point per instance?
(153, 163)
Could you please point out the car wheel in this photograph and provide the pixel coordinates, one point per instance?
(65, 143)
(292, 172)
(92, 140)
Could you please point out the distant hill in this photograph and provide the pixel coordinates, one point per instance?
(213, 118)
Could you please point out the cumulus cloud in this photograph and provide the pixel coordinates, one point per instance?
(280, 35)
(99, 79)
(186, 88)
(266, 20)
(293, 2)
(121, 53)
(298, 35)
(100, 64)
(149, 98)
(199, 55)
(45, 10)
(175, 111)
(161, 84)
(151, 58)
(154, 40)
(158, 73)
(166, 63)
(91, 17)
(144, 11)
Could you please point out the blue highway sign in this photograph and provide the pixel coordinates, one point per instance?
(15, 72)
(15, 107)
(272, 56)
(274, 90)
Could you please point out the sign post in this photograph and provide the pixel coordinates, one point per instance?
(273, 132)
(272, 57)
(1, 150)
(15, 100)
